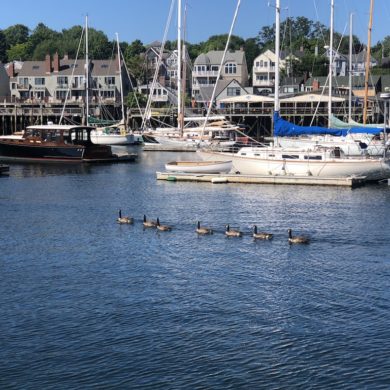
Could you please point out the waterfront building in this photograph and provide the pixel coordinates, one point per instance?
(206, 69)
(52, 80)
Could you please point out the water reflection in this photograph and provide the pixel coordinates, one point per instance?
(52, 169)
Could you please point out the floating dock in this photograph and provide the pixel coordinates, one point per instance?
(351, 182)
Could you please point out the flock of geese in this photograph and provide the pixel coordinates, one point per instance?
(205, 230)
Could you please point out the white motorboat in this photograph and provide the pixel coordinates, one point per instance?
(199, 166)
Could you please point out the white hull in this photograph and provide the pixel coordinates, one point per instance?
(199, 166)
(349, 145)
(371, 168)
(111, 139)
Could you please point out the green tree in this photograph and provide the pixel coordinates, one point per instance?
(16, 34)
(134, 97)
(19, 52)
(3, 47)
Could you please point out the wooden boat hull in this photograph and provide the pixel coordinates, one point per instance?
(22, 152)
(199, 166)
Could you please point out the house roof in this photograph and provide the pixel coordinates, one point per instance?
(214, 57)
(207, 92)
(247, 99)
(362, 56)
(343, 81)
(98, 68)
(311, 97)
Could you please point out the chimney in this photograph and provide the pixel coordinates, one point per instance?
(66, 57)
(56, 63)
(316, 85)
(47, 64)
(11, 69)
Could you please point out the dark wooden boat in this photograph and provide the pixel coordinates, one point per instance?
(58, 143)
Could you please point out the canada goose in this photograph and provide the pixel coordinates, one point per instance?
(232, 233)
(163, 228)
(297, 239)
(122, 220)
(203, 230)
(149, 224)
(261, 235)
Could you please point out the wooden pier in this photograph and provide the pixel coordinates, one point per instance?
(351, 182)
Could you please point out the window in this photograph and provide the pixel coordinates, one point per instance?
(61, 95)
(257, 64)
(110, 80)
(214, 68)
(230, 68)
(23, 82)
(62, 81)
(39, 81)
(104, 66)
(35, 67)
(233, 91)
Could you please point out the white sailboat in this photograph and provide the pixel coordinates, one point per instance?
(191, 132)
(115, 134)
(315, 161)
(352, 138)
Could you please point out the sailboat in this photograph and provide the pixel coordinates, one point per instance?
(317, 160)
(191, 131)
(352, 138)
(115, 134)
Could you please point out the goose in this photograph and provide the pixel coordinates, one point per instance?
(261, 235)
(163, 228)
(203, 230)
(297, 239)
(122, 220)
(232, 233)
(149, 224)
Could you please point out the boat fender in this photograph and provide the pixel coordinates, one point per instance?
(171, 178)
(219, 180)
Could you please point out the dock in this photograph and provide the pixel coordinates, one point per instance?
(351, 182)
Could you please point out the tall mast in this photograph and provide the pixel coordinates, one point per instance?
(277, 54)
(350, 70)
(330, 62)
(86, 69)
(179, 60)
(120, 78)
(368, 60)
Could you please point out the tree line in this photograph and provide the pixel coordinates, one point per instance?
(17, 42)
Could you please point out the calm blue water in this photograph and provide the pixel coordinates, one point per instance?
(87, 303)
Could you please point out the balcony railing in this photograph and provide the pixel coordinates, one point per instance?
(264, 69)
(205, 73)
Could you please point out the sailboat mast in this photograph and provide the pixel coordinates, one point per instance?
(350, 70)
(277, 54)
(120, 78)
(330, 62)
(368, 60)
(86, 70)
(179, 75)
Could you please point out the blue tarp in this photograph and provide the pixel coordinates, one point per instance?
(283, 128)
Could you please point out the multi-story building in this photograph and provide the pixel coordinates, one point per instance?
(206, 68)
(53, 81)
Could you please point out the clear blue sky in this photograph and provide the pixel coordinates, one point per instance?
(146, 19)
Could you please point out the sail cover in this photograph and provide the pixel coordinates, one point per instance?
(283, 128)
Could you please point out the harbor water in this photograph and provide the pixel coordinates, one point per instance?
(88, 303)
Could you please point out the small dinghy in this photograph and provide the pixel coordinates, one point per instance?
(199, 166)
